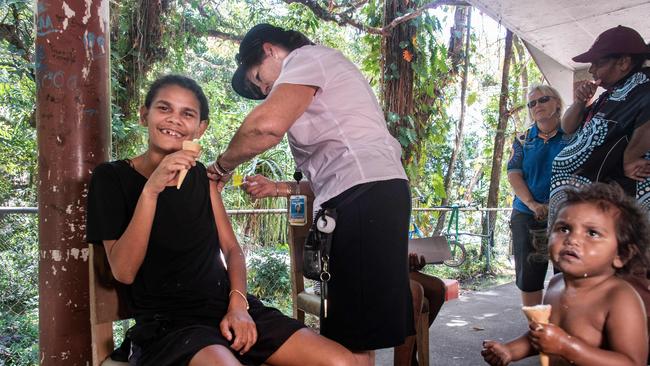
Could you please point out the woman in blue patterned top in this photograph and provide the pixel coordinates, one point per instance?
(611, 134)
(529, 174)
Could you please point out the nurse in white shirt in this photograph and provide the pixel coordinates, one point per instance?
(339, 140)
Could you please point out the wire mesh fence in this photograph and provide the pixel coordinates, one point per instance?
(19, 288)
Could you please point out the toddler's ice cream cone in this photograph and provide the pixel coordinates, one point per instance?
(539, 314)
(187, 145)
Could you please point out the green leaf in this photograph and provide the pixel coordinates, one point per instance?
(404, 44)
(471, 98)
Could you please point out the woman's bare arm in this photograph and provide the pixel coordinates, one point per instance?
(237, 325)
(267, 123)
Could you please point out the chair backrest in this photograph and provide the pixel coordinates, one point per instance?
(297, 236)
(106, 306)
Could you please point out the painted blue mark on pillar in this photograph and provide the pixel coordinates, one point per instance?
(101, 42)
(44, 25)
(39, 57)
(41, 7)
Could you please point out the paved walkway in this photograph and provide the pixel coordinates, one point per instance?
(456, 336)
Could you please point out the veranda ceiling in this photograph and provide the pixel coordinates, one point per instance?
(556, 30)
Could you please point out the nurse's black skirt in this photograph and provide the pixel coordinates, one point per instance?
(370, 304)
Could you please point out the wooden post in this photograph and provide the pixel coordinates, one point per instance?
(297, 236)
(73, 111)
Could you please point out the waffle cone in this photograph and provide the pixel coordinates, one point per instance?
(192, 146)
(539, 314)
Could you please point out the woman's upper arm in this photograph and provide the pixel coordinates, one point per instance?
(227, 238)
(284, 105)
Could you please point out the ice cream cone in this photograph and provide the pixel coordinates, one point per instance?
(539, 314)
(187, 145)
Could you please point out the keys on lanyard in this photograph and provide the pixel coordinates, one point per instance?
(324, 278)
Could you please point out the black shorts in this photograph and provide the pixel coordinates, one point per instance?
(530, 264)
(370, 304)
(165, 341)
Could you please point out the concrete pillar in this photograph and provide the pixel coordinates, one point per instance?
(73, 124)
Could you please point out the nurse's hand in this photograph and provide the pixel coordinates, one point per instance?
(215, 174)
(259, 186)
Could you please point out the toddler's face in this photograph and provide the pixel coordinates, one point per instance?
(583, 240)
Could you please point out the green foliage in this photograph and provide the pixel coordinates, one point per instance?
(19, 289)
(269, 278)
(19, 338)
(17, 112)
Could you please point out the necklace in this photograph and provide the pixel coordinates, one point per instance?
(549, 133)
(546, 135)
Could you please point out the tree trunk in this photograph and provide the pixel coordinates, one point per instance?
(521, 59)
(499, 138)
(478, 172)
(458, 141)
(397, 73)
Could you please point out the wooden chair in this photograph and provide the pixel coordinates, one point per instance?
(305, 301)
(105, 308)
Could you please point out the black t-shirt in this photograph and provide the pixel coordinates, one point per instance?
(182, 273)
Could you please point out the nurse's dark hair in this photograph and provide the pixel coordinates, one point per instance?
(286, 38)
(183, 82)
(632, 225)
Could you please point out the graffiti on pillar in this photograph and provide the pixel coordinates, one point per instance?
(44, 24)
(95, 45)
(39, 57)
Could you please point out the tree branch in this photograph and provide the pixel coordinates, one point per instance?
(344, 19)
(9, 33)
(222, 35)
(514, 110)
(340, 18)
(416, 13)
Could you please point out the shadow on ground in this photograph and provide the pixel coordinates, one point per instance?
(455, 337)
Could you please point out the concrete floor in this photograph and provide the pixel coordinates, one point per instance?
(456, 336)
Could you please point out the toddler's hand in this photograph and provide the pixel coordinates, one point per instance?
(496, 354)
(548, 338)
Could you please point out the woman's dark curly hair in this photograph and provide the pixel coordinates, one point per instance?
(632, 225)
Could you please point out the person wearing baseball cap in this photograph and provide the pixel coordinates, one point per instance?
(340, 142)
(610, 142)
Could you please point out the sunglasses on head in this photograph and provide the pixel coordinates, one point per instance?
(541, 100)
